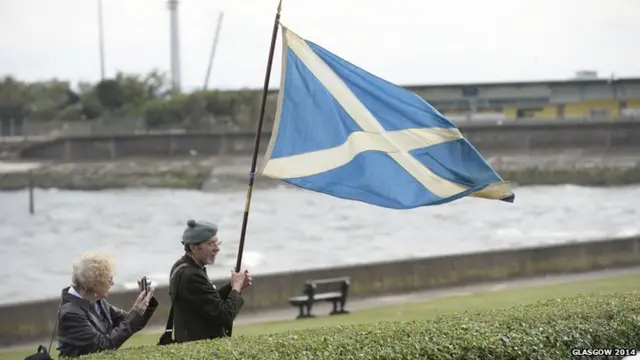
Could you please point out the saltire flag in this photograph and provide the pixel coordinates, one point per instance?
(342, 131)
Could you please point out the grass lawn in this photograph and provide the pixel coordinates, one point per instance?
(413, 311)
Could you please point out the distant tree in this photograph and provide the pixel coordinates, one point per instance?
(13, 99)
(91, 108)
(140, 90)
(72, 97)
(127, 95)
(47, 99)
(110, 94)
(219, 103)
(159, 113)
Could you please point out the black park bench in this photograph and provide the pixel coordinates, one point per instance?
(333, 290)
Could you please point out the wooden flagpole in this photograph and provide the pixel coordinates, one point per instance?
(256, 145)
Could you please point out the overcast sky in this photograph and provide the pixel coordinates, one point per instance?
(403, 41)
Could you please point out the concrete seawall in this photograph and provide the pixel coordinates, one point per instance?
(520, 136)
(576, 167)
(525, 153)
(28, 322)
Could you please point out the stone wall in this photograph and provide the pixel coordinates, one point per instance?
(177, 173)
(28, 322)
(508, 138)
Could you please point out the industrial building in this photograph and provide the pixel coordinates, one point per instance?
(584, 97)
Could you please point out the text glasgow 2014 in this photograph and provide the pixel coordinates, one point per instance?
(603, 352)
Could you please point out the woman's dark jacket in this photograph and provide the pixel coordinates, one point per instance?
(82, 330)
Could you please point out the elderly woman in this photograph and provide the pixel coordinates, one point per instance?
(88, 323)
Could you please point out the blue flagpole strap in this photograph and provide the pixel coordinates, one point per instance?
(252, 175)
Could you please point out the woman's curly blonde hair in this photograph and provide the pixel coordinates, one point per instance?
(92, 270)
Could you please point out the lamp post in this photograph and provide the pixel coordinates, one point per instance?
(175, 46)
(101, 39)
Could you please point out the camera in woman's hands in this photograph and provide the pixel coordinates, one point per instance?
(145, 283)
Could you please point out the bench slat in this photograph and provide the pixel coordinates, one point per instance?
(298, 299)
(317, 297)
(328, 281)
(329, 295)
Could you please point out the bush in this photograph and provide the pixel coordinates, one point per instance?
(545, 330)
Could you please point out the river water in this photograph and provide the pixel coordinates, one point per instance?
(289, 229)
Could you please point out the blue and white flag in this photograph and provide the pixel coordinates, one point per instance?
(342, 131)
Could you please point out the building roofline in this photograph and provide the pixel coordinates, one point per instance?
(525, 83)
(598, 81)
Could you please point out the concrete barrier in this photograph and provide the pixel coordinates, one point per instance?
(516, 136)
(34, 321)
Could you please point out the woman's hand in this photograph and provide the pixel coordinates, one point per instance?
(141, 303)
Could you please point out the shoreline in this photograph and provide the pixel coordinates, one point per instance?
(230, 172)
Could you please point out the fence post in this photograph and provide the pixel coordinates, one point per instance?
(31, 199)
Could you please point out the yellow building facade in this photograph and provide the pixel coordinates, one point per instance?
(604, 99)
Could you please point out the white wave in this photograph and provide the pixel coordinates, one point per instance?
(625, 232)
(250, 259)
(508, 233)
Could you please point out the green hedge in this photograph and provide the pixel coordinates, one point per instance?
(546, 330)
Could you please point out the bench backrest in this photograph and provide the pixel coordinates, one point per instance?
(317, 286)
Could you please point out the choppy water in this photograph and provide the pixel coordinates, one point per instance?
(288, 229)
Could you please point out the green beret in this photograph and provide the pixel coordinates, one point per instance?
(198, 231)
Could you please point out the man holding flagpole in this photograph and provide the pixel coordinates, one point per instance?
(200, 310)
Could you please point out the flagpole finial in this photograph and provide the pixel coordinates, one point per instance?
(279, 6)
